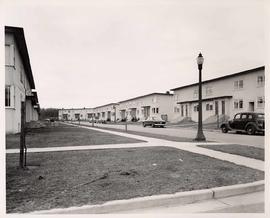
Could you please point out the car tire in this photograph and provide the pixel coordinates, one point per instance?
(250, 130)
(144, 125)
(224, 129)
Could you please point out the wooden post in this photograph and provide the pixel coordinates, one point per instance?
(22, 136)
(126, 125)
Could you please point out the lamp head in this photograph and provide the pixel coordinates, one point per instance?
(200, 60)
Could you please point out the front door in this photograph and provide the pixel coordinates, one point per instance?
(216, 108)
(223, 107)
(251, 106)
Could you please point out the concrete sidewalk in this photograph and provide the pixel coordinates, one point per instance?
(246, 203)
(187, 146)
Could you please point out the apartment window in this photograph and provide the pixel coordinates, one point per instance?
(10, 55)
(260, 102)
(209, 107)
(196, 108)
(260, 80)
(238, 104)
(7, 96)
(208, 91)
(176, 110)
(157, 109)
(239, 84)
(195, 93)
(89, 115)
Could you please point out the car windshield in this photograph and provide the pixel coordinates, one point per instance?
(155, 118)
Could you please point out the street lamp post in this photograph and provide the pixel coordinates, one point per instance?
(200, 136)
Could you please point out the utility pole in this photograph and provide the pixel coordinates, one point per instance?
(126, 125)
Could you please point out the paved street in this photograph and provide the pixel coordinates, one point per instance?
(243, 139)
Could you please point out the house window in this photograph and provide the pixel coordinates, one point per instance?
(7, 96)
(196, 108)
(10, 55)
(157, 110)
(239, 84)
(89, 115)
(260, 102)
(153, 110)
(260, 80)
(195, 93)
(209, 107)
(176, 110)
(238, 104)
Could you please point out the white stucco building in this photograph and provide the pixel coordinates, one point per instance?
(141, 107)
(75, 114)
(106, 112)
(221, 97)
(19, 81)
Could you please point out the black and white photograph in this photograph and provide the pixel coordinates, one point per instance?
(134, 107)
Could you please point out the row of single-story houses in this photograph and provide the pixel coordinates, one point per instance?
(19, 81)
(222, 97)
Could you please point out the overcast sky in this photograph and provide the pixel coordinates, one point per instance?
(90, 53)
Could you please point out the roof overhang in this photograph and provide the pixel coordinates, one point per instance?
(205, 99)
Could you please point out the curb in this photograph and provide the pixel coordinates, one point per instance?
(160, 200)
(222, 192)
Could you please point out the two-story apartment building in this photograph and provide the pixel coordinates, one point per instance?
(19, 81)
(141, 107)
(222, 97)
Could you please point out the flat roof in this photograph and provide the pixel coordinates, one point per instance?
(154, 93)
(21, 43)
(223, 77)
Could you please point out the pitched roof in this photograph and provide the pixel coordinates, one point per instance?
(106, 105)
(154, 93)
(223, 77)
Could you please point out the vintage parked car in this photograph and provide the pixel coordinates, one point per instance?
(154, 121)
(249, 122)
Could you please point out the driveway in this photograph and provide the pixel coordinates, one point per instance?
(243, 139)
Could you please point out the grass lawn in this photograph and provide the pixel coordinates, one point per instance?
(246, 151)
(65, 135)
(75, 178)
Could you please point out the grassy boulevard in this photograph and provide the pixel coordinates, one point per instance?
(75, 178)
